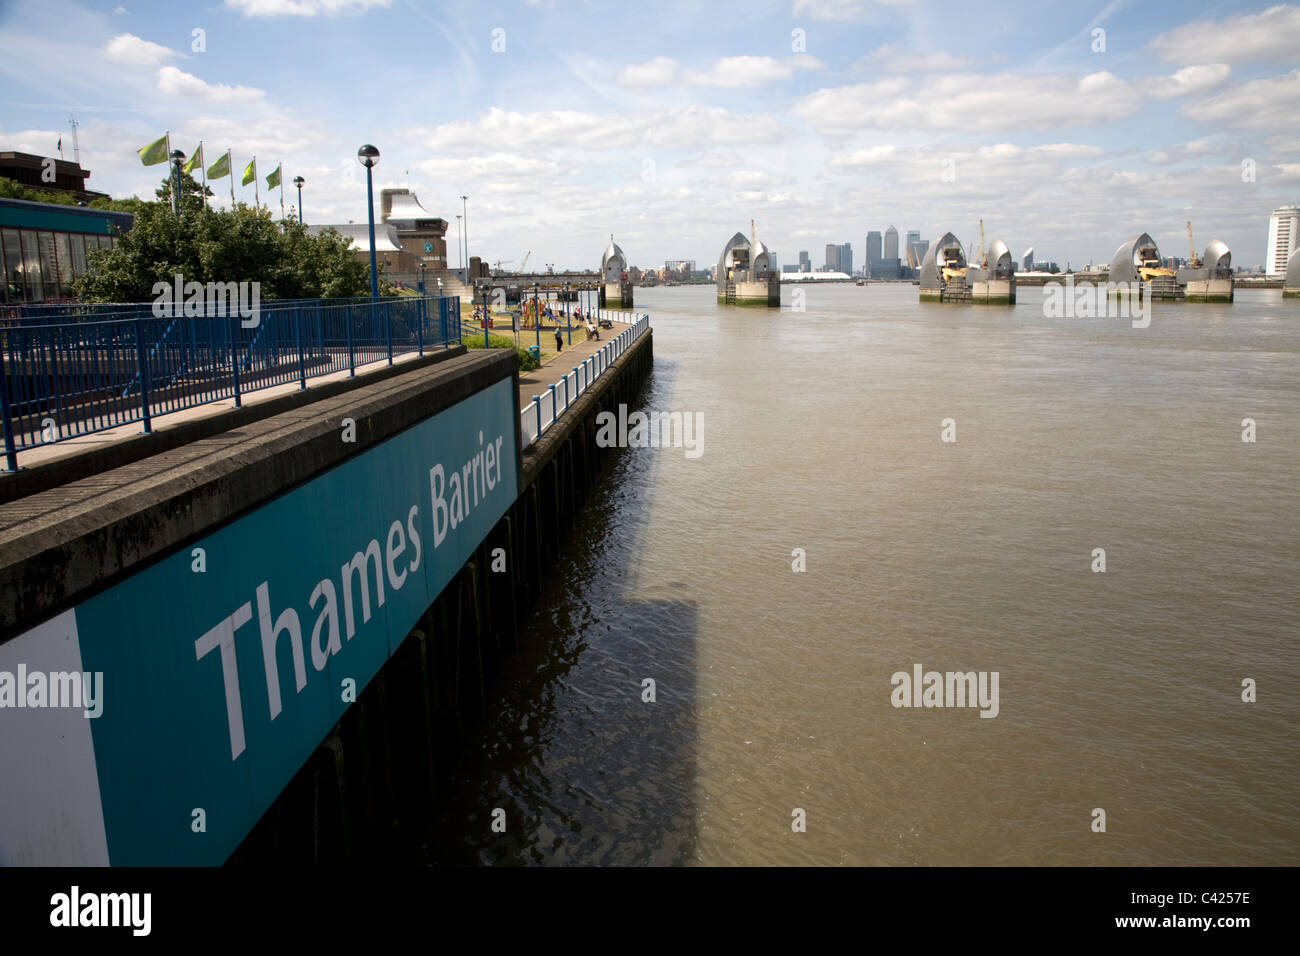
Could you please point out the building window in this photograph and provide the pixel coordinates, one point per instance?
(63, 252)
(78, 253)
(32, 267)
(13, 255)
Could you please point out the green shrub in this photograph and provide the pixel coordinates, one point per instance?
(527, 361)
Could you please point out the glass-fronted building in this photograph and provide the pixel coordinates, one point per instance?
(44, 246)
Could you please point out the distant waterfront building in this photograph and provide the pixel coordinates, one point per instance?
(805, 262)
(790, 268)
(29, 170)
(1283, 238)
(420, 233)
(846, 258)
(1027, 262)
(891, 243)
(832, 257)
(873, 247)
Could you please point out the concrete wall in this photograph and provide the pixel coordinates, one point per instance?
(364, 792)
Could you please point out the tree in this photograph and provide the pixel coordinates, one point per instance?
(208, 245)
(12, 189)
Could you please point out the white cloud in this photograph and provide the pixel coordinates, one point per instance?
(657, 72)
(695, 126)
(862, 157)
(129, 48)
(303, 8)
(179, 83)
(1272, 103)
(1271, 35)
(891, 59)
(1174, 154)
(1190, 79)
(969, 102)
(738, 71)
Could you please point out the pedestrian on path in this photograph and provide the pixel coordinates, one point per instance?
(559, 339)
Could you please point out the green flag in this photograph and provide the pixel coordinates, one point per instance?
(195, 161)
(250, 172)
(155, 152)
(273, 178)
(220, 168)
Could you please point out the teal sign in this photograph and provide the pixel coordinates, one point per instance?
(428, 247)
(225, 664)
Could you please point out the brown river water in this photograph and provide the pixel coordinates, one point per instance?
(1119, 690)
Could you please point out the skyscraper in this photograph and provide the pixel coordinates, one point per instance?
(832, 257)
(846, 259)
(891, 243)
(805, 263)
(873, 246)
(1283, 234)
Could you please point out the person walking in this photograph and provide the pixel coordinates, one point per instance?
(559, 339)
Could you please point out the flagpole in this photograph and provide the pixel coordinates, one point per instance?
(257, 199)
(203, 162)
(230, 166)
(171, 176)
(281, 168)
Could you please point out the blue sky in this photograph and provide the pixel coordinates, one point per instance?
(671, 126)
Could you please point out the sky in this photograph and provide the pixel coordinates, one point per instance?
(1065, 127)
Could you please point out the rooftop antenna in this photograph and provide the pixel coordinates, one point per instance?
(984, 252)
(76, 147)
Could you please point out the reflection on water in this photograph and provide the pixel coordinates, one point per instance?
(1119, 690)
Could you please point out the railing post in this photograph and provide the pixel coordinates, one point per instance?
(11, 448)
(143, 361)
(422, 309)
(297, 334)
(554, 414)
(537, 405)
(576, 383)
(352, 356)
(388, 331)
(233, 323)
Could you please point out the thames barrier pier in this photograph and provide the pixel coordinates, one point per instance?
(946, 276)
(290, 622)
(745, 273)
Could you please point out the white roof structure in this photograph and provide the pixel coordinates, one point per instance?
(405, 208)
(359, 234)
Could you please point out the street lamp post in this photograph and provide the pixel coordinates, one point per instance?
(298, 181)
(368, 155)
(177, 157)
(460, 253)
(464, 204)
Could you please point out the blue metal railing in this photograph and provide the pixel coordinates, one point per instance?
(543, 411)
(74, 373)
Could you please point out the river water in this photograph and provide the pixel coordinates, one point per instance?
(1120, 690)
